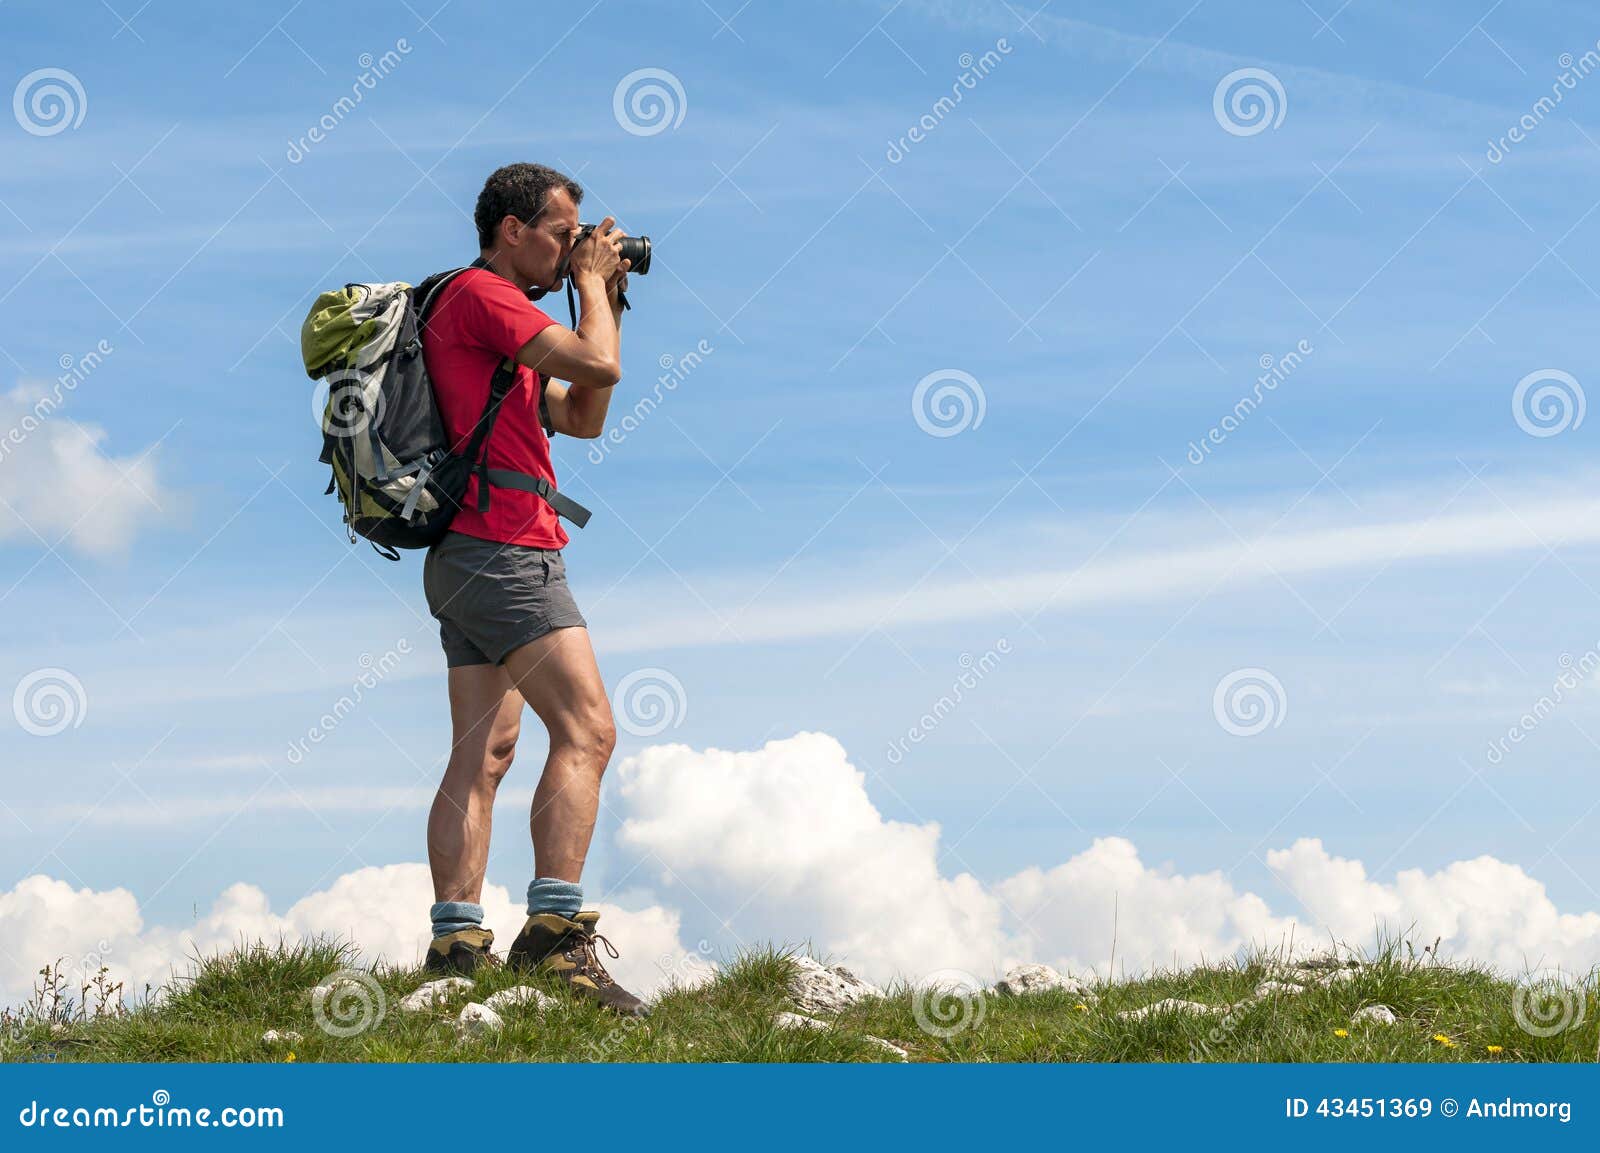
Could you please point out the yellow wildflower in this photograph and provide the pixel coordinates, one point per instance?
(1081, 1007)
(290, 1057)
(1445, 1041)
(1341, 1032)
(1495, 1048)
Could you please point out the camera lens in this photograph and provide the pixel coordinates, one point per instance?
(637, 249)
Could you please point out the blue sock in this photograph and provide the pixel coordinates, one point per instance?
(553, 895)
(453, 916)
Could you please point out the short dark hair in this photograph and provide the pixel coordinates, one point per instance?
(520, 190)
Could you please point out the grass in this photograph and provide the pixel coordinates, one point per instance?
(1445, 1013)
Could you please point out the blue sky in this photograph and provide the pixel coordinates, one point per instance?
(1082, 236)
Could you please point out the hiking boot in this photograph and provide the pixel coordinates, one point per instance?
(555, 946)
(462, 953)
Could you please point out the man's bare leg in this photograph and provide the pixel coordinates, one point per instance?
(558, 677)
(485, 719)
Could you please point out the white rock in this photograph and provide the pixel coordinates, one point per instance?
(888, 1046)
(1382, 1014)
(1173, 1005)
(827, 989)
(1336, 977)
(433, 994)
(1273, 988)
(519, 995)
(798, 1021)
(287, 1037)
(476, 1018)
(1033, 978)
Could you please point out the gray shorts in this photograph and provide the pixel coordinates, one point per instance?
(490, 598)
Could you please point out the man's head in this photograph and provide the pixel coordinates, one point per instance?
(527, 218)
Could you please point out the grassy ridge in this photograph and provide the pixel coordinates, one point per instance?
(1445, 1013)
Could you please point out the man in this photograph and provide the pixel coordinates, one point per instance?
(511, 631)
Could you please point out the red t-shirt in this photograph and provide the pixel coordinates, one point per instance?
(480, 319)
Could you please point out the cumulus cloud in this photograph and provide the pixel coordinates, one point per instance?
(784, 844)
(382, 908)
(57, 481)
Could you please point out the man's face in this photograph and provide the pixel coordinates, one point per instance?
(540, 249)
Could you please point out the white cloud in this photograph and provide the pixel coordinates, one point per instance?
(787, 836)
(384, 908)
(57, 481)
(1170, 562)
(784, 843)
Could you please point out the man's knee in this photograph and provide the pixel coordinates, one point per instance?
(592, 734)
(498, 755)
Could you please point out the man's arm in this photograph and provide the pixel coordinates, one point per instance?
(590, 356)
(579, 408)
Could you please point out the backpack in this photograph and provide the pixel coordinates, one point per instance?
(392, 464)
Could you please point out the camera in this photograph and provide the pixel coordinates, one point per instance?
(634, 248)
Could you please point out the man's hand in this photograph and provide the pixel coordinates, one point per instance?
(599, 254)
(618, 286)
